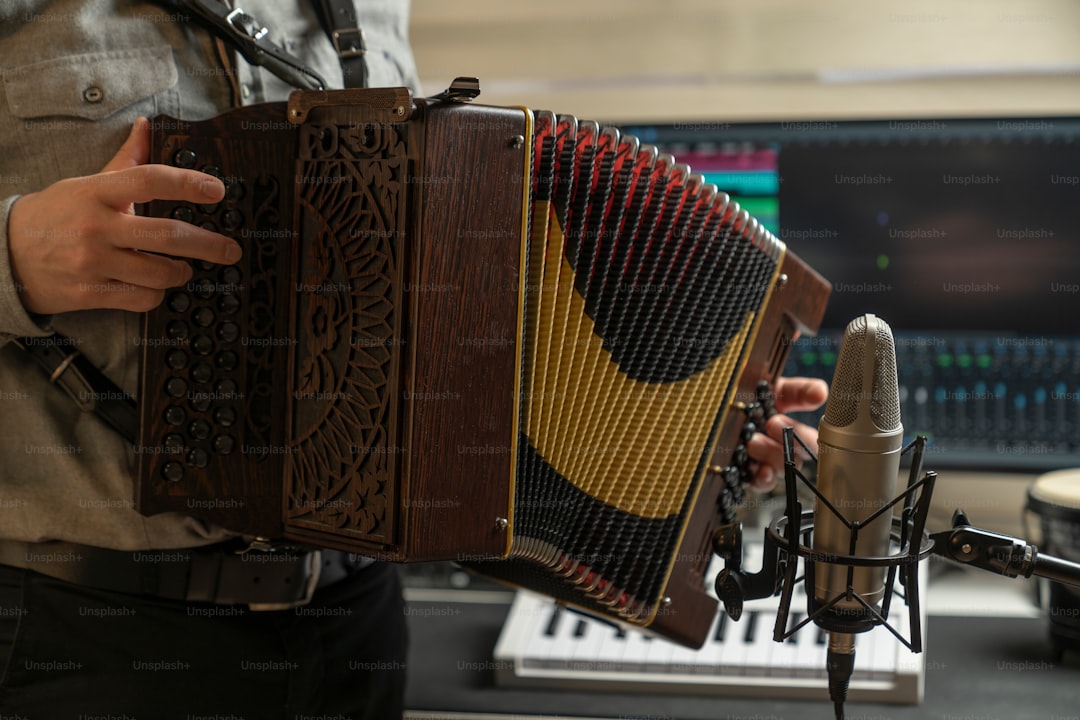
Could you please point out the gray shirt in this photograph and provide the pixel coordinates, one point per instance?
(63, 474)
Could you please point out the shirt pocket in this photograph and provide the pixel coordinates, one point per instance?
(92, 86)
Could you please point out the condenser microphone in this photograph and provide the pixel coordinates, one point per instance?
(860, 439)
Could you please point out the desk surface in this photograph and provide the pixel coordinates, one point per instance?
(977, 668)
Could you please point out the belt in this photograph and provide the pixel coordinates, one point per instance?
(227, 574)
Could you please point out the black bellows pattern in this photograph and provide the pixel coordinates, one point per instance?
(668, 273)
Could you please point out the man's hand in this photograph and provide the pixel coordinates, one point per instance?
(792, 395)
(78, 245)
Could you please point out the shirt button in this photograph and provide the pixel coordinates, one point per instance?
(93, 94)
(245, 90)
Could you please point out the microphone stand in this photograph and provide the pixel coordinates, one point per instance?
(1001, 554)
(788, 538)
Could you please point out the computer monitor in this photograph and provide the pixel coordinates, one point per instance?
(963, 234)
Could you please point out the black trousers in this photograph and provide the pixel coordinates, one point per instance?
(77, 653)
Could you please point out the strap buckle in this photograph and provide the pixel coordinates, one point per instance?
(245, 24)
(349, 43)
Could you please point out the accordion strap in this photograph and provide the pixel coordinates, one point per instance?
(251, 39)
(339, 20)
(69, 369)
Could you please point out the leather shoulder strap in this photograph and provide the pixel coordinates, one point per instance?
(339, 20)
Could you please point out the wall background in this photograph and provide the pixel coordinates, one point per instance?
(672, 60)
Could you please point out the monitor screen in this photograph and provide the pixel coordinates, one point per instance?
(964, 235)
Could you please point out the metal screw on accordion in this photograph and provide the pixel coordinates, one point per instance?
(502, 523)
(518, 141)
(781, 281)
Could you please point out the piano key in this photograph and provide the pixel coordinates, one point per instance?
(883, 652)
(658, 656)
(542, 640)
(759, 645)
(708, 659)
(737, 658)
(784, 654)
(608, 653)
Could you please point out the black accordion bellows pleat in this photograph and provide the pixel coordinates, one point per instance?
(664, 275)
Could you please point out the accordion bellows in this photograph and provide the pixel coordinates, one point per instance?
(505, 338)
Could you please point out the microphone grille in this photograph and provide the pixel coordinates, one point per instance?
(847, 394)
(885, 394)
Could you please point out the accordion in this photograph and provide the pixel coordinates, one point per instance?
(506, 338)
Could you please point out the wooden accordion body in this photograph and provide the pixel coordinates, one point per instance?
(467, 333)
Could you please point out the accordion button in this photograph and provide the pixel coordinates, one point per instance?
(173, 472)
(176, 387)
(234, 191)
(226, 387)
(232, 220)
(184, 158)
(203, 316)
(228, 332)
(225, 416)
(177, 330)
(213, 170)
(226, 360)
(204, 290)
(230, 276)
(175, 415)
(184, 214)
(177, 359)
(223, 444)
(228, 304)
(199, 429)
(198, 458)
(200, 402)
(202, 372)
(179, 302)
(173, 443)
(202, 344)
(209, 210)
